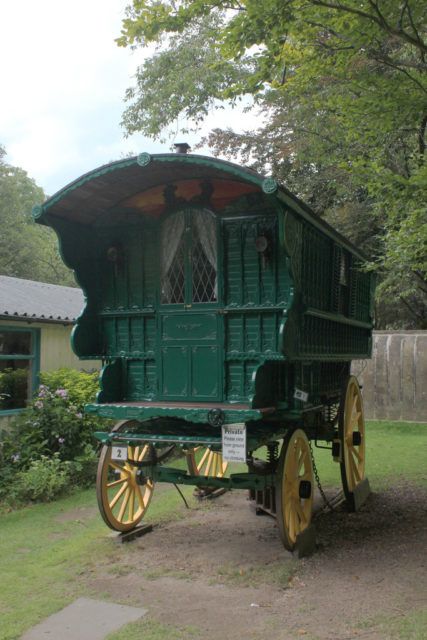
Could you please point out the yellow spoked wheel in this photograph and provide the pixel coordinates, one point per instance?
(294, 488)
(351, 429)
(121, 500)
(202, 461)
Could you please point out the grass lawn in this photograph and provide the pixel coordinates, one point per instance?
(394, 450)
(45, 549)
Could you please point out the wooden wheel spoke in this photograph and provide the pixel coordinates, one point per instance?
(300, 512)
(292, 524)
(288, 509)
(215, 465)
(293, 467)
(209, 463)
(117, 467)
(353, 403)
(356, 453)
(131, 511)
(143, 453)
(118, 495)
(302, 459)
(354, 468)
(355, 421)
(289, 483)
(124, 504)
(202, 461)
(140, 497)
(115, 483)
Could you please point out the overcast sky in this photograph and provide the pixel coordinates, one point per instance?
(63, 80)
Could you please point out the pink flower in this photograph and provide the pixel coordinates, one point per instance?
(38, 404)
(62, 393)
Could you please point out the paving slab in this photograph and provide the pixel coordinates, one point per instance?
(84, 619)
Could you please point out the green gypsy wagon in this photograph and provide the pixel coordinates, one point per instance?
(226, 315)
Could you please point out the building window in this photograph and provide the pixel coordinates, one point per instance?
(19, 367)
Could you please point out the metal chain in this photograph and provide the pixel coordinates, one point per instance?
(316, 475)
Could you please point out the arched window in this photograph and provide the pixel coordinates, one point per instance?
(189, 257)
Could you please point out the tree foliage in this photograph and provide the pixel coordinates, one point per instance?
(341, 90)
(26, 250)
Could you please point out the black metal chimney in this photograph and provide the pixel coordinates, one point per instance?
(181, 147)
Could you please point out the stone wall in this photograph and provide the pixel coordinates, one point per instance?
(395, 379)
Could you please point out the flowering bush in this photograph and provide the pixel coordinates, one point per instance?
(54, 425)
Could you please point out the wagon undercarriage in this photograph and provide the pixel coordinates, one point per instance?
(135, 454)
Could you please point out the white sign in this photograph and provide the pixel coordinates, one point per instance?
(119, 453)
(300, 395)
(234, 443)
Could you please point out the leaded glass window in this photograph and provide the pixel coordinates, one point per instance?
(189, 258)
(173, 259)
(204, 258)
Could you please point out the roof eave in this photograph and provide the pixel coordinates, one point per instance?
(32, 319)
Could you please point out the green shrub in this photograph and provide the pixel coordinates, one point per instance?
(54, 424)
(43, 481)
(83, 467)
(82, 387)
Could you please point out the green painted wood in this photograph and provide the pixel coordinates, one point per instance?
(188, 414)
(289, 318)
(165, 430)
(234, 481)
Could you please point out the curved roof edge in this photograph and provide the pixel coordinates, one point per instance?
(268, 185)
(143, 160)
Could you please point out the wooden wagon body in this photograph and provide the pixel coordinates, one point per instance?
(214, 297)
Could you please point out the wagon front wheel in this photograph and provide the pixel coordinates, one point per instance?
(294, 488)
(122, 501)
(351, 426)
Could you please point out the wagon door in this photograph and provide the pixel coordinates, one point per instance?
(190, 343)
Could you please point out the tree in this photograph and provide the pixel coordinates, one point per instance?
(341, 87)
(26, 250)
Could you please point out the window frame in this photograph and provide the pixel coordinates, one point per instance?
(34, 357)
(188, 267)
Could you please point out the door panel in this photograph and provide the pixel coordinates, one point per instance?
(175, 372)
(204, 372)
(191, 354)
(188, 327)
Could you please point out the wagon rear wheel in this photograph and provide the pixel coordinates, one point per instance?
(294, 487)
(351, 429)
(202, 461)
(121, 500)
